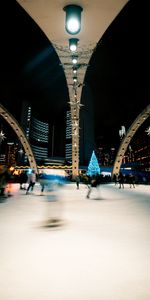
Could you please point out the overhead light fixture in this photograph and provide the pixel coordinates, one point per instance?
(74, 70)
(74, 60)
(75, 79)
(73, 44)
(73, 18)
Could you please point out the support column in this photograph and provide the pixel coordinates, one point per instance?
(75, 91)
(75, 117)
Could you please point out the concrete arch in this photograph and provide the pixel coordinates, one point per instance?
(126, 140)
(98, 14)
(21, 135)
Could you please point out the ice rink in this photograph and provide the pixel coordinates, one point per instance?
(99, 248)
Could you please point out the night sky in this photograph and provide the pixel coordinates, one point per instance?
(118, 75)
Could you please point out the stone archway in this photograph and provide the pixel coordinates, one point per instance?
(21, 135)
(126, 140)
(97, 15)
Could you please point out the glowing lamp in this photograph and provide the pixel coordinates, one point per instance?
(73, 18)
(73, 44)
(74, 60)
(75, 79)
(74, 71)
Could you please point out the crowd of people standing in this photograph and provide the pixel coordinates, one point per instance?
(120, 179)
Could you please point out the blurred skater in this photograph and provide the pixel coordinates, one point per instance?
(115, 179)
(77, 179)
(93, 184)
(131, 180)
(23, 180)
(53, 200)
(121, 180)
(31, 181)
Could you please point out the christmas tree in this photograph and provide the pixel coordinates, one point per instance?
(93, 167)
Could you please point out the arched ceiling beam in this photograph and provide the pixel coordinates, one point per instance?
(97, 15)
(128, 137)
(21, 136)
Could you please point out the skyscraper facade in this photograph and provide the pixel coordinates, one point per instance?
(37, 132)
(39, 138)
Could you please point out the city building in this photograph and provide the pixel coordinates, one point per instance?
(39, 138)
(86, 130)
(138, 152)
(106, 155)
(11, 154)
(37, 132)
(2, 159)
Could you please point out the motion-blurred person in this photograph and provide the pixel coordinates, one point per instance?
(93, 184)
(77, 179)
(121, 180)
(23, 180)
(3, 181)
(43, 179)
(10, 181)
(115, 179)
(54, 204)
(31, 181)
(131, 180)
